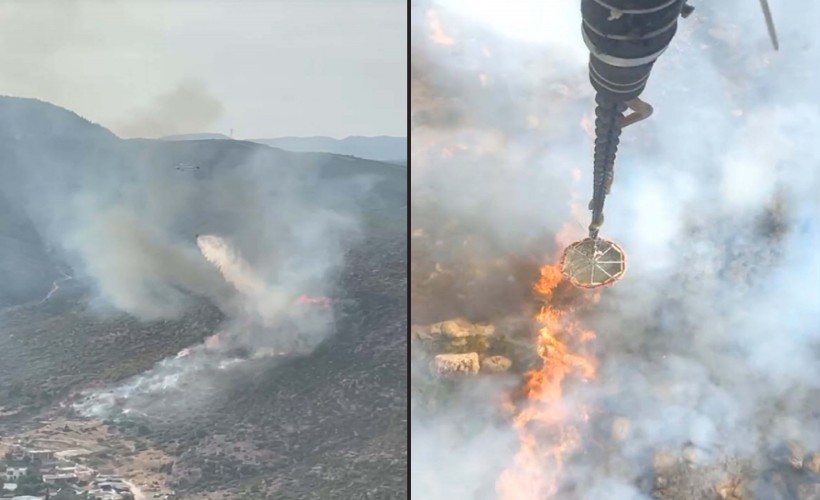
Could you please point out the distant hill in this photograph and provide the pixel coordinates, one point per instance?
(381, 148)
(195, 137)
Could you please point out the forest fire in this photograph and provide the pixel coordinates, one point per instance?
(546, 422)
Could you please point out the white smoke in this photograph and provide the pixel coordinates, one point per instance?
(232, 266)
(258, 297)
(712, 336)
(255, 279)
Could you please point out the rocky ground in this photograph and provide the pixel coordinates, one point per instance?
(470, 308)
(100, 447)
(51, 350)
(452, 351)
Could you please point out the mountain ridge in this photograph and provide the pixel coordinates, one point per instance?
(384, 148)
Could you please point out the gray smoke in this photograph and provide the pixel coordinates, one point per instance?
(712, 337)
(108, 61)
(188, 108)
(232, 266)
(131, 234)
(124, 216)
(130, 229)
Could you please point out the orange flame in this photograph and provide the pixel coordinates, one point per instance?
(545, 424)
(318, 300)
(437, 33)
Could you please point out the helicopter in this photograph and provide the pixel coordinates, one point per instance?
(624, 38)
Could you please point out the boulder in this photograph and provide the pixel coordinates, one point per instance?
(496, 364)
(452, 330)
(732, 489)
(812, 463)
(788, 453)
(664, 460)
(456, 364)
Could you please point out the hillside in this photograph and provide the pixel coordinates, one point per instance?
(384, 148)
(195, 137)
(108, 225)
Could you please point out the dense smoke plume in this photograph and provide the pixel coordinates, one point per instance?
(263, 304)
(712, 336)
(108, 61)
(123, 217)
(278, 232)
(188, 108)
(232, 266)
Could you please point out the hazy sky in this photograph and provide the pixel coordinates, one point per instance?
(265, 68)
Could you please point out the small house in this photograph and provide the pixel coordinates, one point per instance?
(59, 478)
(15, 472)
(41, 456)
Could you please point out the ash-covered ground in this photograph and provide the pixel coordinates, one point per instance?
(110, 310)
(706, 352)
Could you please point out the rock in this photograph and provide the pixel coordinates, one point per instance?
(797, 455)
(456, 364)
(812, 463)
(694, 455)
(788, 454)
(664, 460)
(731, 490)
(720, 477)
(459, 328)
(661, 482)
(451, 330)
(496, 364)
(691, 454)
(620, 429)
(418, 332)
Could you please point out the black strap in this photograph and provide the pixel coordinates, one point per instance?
(609, 117)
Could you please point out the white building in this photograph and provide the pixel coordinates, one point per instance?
(42, 456)
(14, 473)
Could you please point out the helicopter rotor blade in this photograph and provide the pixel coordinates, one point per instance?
(767, 13)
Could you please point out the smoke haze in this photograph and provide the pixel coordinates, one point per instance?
(163, 67)
(712, 336)
(189, 107)
(124, 215)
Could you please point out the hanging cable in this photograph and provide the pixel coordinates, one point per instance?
(608, 124)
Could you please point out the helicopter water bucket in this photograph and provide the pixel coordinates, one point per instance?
(593, 263)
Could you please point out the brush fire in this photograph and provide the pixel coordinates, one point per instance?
(557, 428)
(695, 376)
(542, 420)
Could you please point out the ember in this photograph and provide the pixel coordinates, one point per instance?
(213, 341)
(313, 300)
